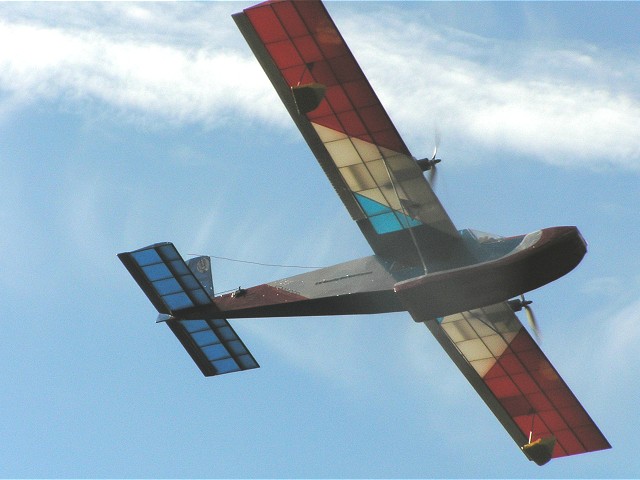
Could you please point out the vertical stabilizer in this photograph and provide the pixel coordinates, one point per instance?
(201, 268)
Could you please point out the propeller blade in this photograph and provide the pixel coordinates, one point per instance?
(433, 172)
(532, 322)
(523, 303)
(436, 141)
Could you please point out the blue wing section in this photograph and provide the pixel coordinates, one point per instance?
(383, 218)
(165, 278)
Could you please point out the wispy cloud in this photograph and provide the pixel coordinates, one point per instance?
(332, 348)
(601, 356)
(571, 105)
(566, 105)
(603, 286)
(138, 75)
(623, 335)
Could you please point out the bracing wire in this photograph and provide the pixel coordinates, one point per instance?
(258, 263)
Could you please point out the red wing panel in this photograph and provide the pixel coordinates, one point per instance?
(349, 131)
(534, 395)
(306, 46)
(516, 380)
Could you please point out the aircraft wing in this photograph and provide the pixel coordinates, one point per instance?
(344, 123)
(515, 379)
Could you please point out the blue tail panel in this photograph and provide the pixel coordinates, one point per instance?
(213, 345)
(166, 279)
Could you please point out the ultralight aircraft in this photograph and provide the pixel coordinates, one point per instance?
(464, 285)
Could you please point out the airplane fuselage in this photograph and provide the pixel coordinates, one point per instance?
(500, 269)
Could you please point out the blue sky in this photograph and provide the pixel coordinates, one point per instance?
(125, 124)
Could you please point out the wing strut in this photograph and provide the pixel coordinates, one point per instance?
(406, 215)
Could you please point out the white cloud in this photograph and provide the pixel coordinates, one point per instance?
(573, 105)
(569, 106)
(139, 77)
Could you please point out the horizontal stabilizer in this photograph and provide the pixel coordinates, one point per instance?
(213, 345)
(174, 286)
(165, 278)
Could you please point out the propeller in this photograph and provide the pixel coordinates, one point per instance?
(433, 171)
(522, 303)
(429, 164)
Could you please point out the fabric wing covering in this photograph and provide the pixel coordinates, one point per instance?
(349, 131)
(516, 380)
